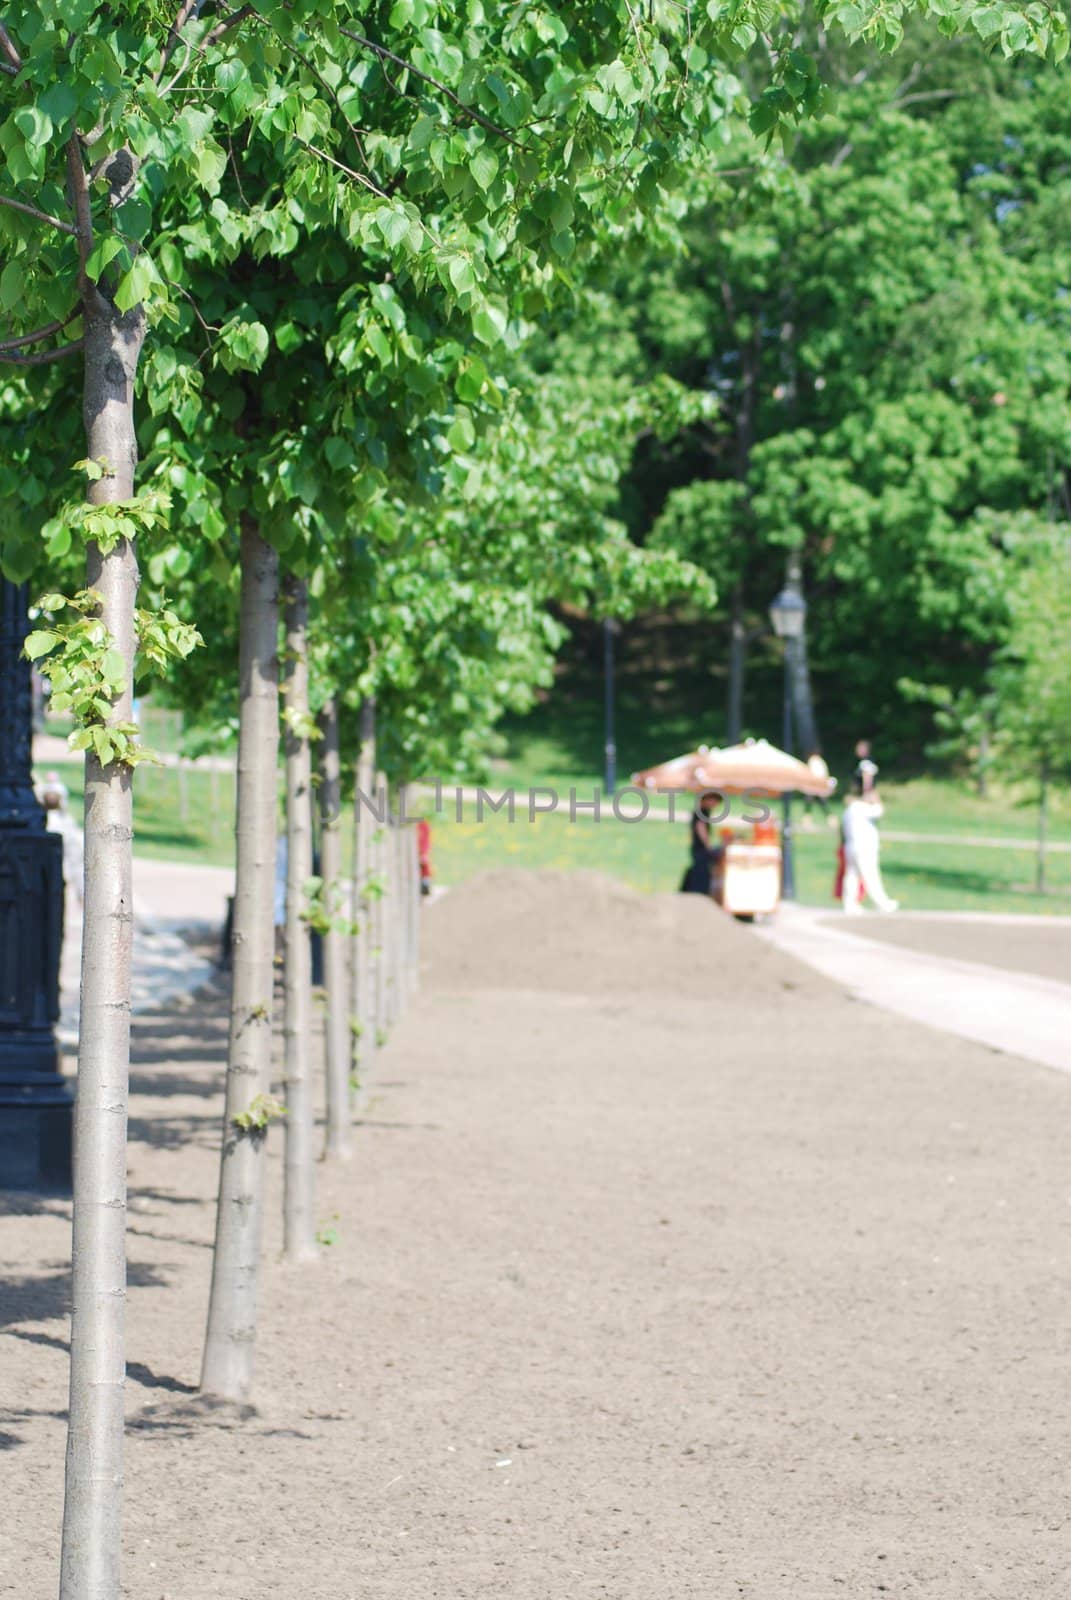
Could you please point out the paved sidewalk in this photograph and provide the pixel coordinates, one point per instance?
(172, 900)
(1016, 1012)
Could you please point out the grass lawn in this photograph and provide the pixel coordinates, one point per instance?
(178, 815)
(652, 856)
(189, 814)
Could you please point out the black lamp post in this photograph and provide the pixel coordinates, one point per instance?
(35, 1101)
(788, 613)
(609, 629)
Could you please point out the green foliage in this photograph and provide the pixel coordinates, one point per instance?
(88, 674)
(1032, 676)
(327, 1234)
(346, 226)
(321, 911)
(881, 315)
(262, 1110)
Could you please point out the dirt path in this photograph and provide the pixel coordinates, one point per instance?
(664, 1270)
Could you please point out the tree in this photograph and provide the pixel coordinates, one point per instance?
(881, 343)
(1032, 678)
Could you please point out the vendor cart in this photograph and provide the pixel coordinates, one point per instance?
(747, 865)
(745, 878)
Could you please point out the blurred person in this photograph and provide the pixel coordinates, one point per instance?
(866, 769)
(862, 847)
(704, 852)
(54, 796)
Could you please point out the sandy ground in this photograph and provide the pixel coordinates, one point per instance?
(664, 1269)
(1016, 945)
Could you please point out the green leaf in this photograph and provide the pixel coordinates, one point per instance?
(102, 254)
(484, 167)
(394, 224)
(34, 124)
(12, 285)
(489, 324)
(462, 275)
(135, 284)
(39, 643)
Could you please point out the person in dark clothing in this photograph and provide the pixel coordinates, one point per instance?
(703, 852)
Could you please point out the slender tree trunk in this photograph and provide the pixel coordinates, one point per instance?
(365, 827)
(981, 770)
(417, 907)
(94, 1473)
(299, 1198)
(337, 1024)
(1040, 883)
(737, 661)
(409, 885)
(382, 912)
(227, 1369)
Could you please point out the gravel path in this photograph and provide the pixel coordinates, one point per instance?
(665, 1269)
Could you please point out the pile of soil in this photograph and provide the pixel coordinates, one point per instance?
(585, 933)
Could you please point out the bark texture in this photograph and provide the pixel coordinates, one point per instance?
(381, 915)
(94, 1468)
(337, 1027)
(1040, 885)
(299, 1188)
(364, 1040)
(227, 1369)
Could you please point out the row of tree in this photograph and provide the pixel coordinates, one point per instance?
(347, 227)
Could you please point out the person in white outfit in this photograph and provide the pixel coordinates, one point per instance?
(861, 851)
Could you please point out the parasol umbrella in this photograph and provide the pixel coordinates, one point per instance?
(754, 767)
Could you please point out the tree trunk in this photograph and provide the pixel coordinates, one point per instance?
(364, 1044)
(94, 1471)
(227, 1369)
(981, 770)
(1040, 883)
(734, 719)
(299, 1199)
(337, 1022)
(380, 920)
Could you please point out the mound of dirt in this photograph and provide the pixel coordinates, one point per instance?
(585, 933)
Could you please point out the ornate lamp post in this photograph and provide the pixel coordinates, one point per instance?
(788, 613)
(35, 1101)
(609, 629)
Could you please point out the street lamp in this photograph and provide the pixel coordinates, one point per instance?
(609, 629)
(35, 1101)
(788, 613)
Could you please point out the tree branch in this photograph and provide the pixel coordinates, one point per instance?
(399, 61)
(39, 333)
(359, 177)
(7, 45)
(79, 189)
(227, 24)
(42, 216)
(925, 94)
(43, 357)
(211, 37)
(187, 9)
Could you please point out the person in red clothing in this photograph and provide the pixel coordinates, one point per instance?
(424, 852)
